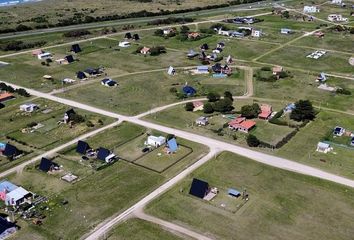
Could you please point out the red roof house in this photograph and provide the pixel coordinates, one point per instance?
(266, 111)
(198, 106)
(6, 96)
(145, 50)
(241, 124)
(193, 35)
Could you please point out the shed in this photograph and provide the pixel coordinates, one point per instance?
(202, 121)
(124, 44)
(171, 71)
(202, 69)
(136, 37)
(6, 228)
(155, 141)
(192, 54)
(11, 151)
(286, 31)
(69, 58)
(103, 153)
(81, 75)
(172, 145)
(82, 147)
(75, 48)
(199, 188)
(233, 192)
(323, 147)
(189, 91)
(204, 46)
(109, 82)
(29, 107)
(47, 165)
(44, 55)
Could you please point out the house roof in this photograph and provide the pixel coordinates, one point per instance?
(248, 124)
(17, 194)
(266, 108)
(237, 120)
(159, 139)
(103, 153)
(5, 96)
(47, 164)
(75, 48)
(10, 150)
(8, 186)
(198, 104)
(81, 75)
(199, 188)
(277, 69)
(37, 51)
(202, 119)
(4, 225)
(233, 192)
(69, 58)
(264, 114)
(82, 147)
(193, 34)
(145, 49)
(202, 68)
(172, 145)
(189, 90)
(323, 145)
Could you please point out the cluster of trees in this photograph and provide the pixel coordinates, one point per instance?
(270, 77)
(250, 111)
(76, 118)
(15, 45)
(76, 33)
(81, 18)
(343, 91)
(216, 104)
(171, 20)
(303, 111)
(19, 91)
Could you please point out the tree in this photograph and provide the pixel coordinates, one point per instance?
(223, 105)
(303, 111)
(228, 95)
(252, 141)
(158, 32)
(189, 106)
(250, 111)
(76, 118)
(173, 90)
(184, 29)
(23, 92)
(285, 14)
(169, 137)
(208, 108)
(213, 97)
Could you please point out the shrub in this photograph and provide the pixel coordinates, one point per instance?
(189, 106)
(343, 91)
(252, 141)
(213, 97)
(208, 108)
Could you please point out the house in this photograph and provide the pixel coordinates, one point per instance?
(45, 55)
(221, 69)
(323, 147)
(11, 151)
(199, 188)
(202, 121)
(171, 71)
(5, 96)
(47, 165)
(192, 54)
(69, 58)
(202, 70)
(47, 77)
(124, 44)
(105, 155)
(336, 18)
(233, 192)
(256, 33)
(6, 187)
(68, 115)
(108, 82)
(244, 20)
(193, 35)
(338, 131)
(82, 147)
(128, 35)
(155, 141)
(168, 31)
(289, 108)
(266, 111)
(223, 32)
(319, 34)
(145, 50)
(321, 77)
(204, 47)
(81, 75)
(75, 48)
(213, 57)
(336, 1)
(17, 197)
(237, 34)
(217, 50)
(6, 228)
(68, 80)
(311, 9)
(29, 107)
(241, 124)
(136, 37)
(172, 145)
(189, 91)
(198, 106)
(93, 72)
(229, 59)
(277, 70)
(37, 52)
(286, 31)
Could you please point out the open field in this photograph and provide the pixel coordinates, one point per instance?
(136, 229)
(282, 205)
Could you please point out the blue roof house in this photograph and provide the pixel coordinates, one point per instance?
(172, 145)
(189, 91)
(233, 192)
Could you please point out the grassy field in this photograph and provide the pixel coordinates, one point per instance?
(282, 205)
(302, 147)
(136, 229)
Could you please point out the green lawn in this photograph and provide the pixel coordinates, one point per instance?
(136, 229)
(282, 205)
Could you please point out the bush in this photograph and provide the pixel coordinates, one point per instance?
(252, 141)
(32, 124)
(89, 124)
(303, 111)
(250, 111)
(213, 97)
(208, 108)
(265, 69)
(343, 91)
(155, 51)
(223, 105)
(173, 90)
(76, 33)
(189, 106)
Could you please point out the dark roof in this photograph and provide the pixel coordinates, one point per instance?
(4, 225)
(92, 71)
(128, 35)
(217, 67)
(69, 58)
(47, 165)
(2, 105)
(103, 153)
(81, 75)
(82, 147)
(189, 90)
(70, 111)
(136, 36)
(11, 151)
(204, 46)
(75, 48)
(199, 188)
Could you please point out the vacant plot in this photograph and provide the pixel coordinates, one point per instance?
(281, 204)
(302, 147)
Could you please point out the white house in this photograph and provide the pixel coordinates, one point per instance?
(68, 80)
(17, 196)
(336, 1)
(28, 107)
(323, 147)
(171, 71)
(256, 33)
(45, 55)
(155, 141)
(311, 9)
(337, 18)
(124, 44)
(223, 32)
(202, 121)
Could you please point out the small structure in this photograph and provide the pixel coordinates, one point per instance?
(69, 58)
(286, 31)
(68, 80)
(37, 52)
(193, 35)
(5, 96)
(68, 115)
(323, 147)
(237, 34)
(82, 147)
(171, 71)
(75, 48)
(93, 72)
(204, 47)
(17, 196)
(233, 192)
(277, 70)
(337, 18)
(172, 145)
(69, 177)
(319, 34)
(199, 188)
(316, 54)
(241, 124)
(338, 131)
(202, 121)
(189, 91)
(256, 33)
(47, 77)
(198, 106)
(128, 35)
(168, 31)
(11, 151)
(311, 9)
(321, 77)
(155, 141)
(81, 75)
(223, 32)
(289, 108)
(6, 228)
(192, 54)
(105, 155)
(29, 107)
(124, 44)
(222, 69)
(45, 55)
(336, 1)
(136, 37)
(47, 165)
(202, 70)
(266, 112)
(109, 82)
(145, 50)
